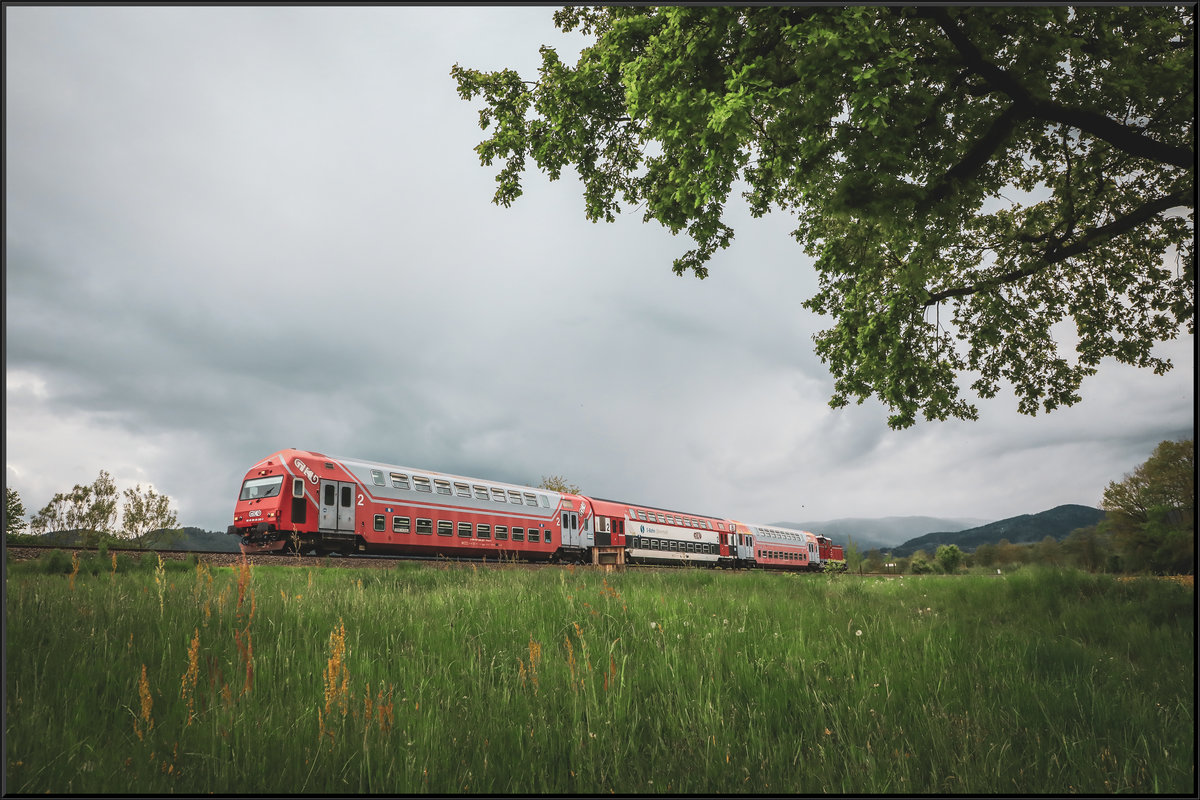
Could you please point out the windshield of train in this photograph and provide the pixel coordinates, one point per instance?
(256, 488)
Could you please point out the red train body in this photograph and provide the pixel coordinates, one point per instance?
(296, 500)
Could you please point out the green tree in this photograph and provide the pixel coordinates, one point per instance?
(985, 554)
(557, 483)
(950, 557)
(14, 512)
(1087, 548)
(146, 511)
(90, 509)
(854, 559)
(965, 179)
(1047, 551)
(1151, 512)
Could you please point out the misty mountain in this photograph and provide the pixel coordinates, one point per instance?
(883, 532)
(1057, 523)
(185, 539)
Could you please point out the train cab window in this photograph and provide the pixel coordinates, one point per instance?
(498, 495)
(518, 534)
(347, 497)
(445, 527)
(401, 525)
(514, 497)
(298, 487)
(377, 477)
(543, 501)
(502, 533)
(425, 526)
(530, 499)
(464, 529)
(256, 488)
(399, 480)
(534, 535)
(442, 487)
(422, 484)
(462, 490)
(481, 492)
(379, 522)
(483, 531)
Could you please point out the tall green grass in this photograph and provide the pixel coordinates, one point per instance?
(568, 681)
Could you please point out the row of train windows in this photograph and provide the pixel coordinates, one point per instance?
(438, 486)
(465, 529)
(784, 555)
(650, 543)
(683, 522)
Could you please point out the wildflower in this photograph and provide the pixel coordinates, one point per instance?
(858, 633)
(147, 705)
(188, 687)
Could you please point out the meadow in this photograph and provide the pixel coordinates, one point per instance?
(182, 677)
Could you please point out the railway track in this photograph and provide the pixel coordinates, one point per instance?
(228, 559)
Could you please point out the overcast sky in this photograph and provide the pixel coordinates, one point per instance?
(234, 230)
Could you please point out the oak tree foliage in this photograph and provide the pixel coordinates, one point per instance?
(965, 179)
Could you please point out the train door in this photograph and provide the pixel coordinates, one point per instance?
(337, 506)
(603, 531)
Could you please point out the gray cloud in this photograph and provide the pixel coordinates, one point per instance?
(233, 230)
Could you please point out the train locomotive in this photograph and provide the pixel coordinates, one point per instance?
(301, 501)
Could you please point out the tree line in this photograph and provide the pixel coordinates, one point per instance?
(1149, 526)
(97, 511)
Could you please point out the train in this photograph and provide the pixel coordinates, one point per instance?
(298, 501)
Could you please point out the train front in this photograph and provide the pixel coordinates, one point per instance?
(271, 513)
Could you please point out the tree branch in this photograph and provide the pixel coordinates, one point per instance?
(1056, 253)
(1123, 137)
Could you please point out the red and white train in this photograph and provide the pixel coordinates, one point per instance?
(296, 500)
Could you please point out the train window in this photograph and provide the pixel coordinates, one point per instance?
(533, 534)
(530, 499)
(498, 495)
(462, 490)
(483, 531)
(548, 536)
(721, 525)
(480, 492)
(464, 529)
(662, 519)
(502, 533)
(442, 487)
(401, 525)
(377, 477)
(518, 534)
(543, 501)
(347, 497)
(425, 526)
(399, 480)
(256, 488)
(514, 497)
(330, 494)
(642, 516)
(379, 522)
(422, 484)
(445, 527)
(298, 487)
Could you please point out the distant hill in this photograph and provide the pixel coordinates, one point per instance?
(883, 533)
(189, 539)
(1057, 523)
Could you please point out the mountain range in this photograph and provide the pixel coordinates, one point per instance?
(903, 536)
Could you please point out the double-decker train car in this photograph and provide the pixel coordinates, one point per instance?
(301, 501)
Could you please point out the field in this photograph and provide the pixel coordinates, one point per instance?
(453, 679)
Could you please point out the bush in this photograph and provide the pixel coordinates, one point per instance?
(56, 563)
(921, 567)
